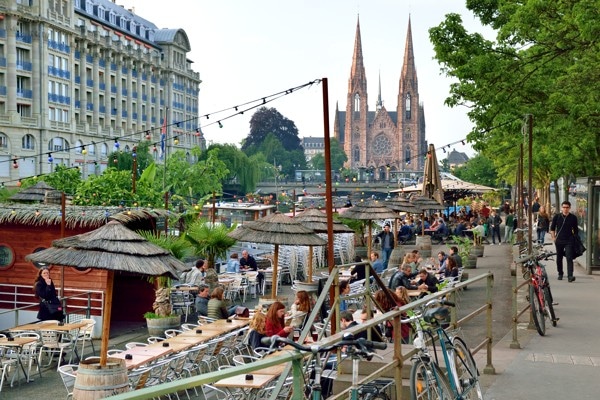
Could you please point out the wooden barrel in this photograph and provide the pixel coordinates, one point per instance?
(477, 250)
(424, 246)
(157, 326)
(96, 382)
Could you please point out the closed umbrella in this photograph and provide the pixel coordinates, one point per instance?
(112, 247)
(277, 229)
(432, 181)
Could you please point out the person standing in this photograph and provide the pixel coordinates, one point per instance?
(543, 222)
(509, 227)
(387, 244)
(563, 230)
(496, 222)
(46, 293)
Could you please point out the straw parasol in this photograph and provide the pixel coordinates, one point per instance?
(35, 193)
(277, 229)
(112, 247)
(432, 181)
(317, 221)
(369, 211)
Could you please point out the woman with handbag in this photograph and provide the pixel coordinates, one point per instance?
(50, 306)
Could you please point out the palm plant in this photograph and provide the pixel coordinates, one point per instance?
(180, 249)
(209, 240)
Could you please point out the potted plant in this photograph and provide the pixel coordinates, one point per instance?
(209, 240)
(161, 316)
(465, 245)
(477, 249)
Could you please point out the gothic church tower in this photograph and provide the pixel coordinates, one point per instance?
(382, 144)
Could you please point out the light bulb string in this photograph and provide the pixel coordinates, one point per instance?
(259, 101)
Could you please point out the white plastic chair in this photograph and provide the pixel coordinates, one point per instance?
(131, 345)
(85, 334)
(68, 374)
(57, 342)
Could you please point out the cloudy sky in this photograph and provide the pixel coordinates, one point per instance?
(245, 50)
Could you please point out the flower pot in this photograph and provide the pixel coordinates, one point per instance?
(470, 262)
(157, 326)
(423, 244)
(477, 250)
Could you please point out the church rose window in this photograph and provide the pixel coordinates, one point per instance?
(382, 146)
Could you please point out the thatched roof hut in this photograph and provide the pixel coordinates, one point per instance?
(76, 216)
(40, 192)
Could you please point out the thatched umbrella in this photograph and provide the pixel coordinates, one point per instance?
(277, 229)
(112, 247)
(369, 211)
(317, 221)
(37, 192)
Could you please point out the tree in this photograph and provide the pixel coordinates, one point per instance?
(242, 169)
(543, 62)
(267, 121)
(209, 240)
(338, 157)
(63, 178)
(479, 170)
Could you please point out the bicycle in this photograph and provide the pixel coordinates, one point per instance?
(427, 380)
(540, 297)
(357, 349)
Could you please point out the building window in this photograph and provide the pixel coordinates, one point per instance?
(28, 142)
(407, 106)
(356, 155)
(407, 155)
(356, 105)
(7, 256)
(58, 144)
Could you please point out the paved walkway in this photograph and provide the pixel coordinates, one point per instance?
(563, 364)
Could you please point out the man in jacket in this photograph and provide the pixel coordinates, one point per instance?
(386, 238)
(402, 278)
(563, 230)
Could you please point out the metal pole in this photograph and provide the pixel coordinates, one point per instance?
(530, 180)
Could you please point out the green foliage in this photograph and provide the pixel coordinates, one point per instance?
(241, 169)
(464, 245)
(479, 170)
(267, 121)
(209, 240)
(338, 157)
(542, 62)
(63, 178)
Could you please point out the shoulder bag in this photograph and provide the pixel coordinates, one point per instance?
(53, 306)
(578, 247)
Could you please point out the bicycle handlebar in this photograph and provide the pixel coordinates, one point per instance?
(363, 345)
(533, 257)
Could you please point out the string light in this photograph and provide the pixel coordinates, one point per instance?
(83, 150)
(175, 141)
(50, 159)
(148, 135)
(220, 124)
(15, 163)
(117, 145)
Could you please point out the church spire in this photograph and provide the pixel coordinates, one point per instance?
(409, 72)
(357, 71)
(379, 103)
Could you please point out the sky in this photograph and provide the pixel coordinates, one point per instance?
(245, 50)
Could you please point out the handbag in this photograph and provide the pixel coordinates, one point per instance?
(578, 247)
(242, 312)
(53, 306)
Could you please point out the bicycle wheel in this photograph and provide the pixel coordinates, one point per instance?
(427, 381)
(549, 306)
(466, 370)
(536, 310)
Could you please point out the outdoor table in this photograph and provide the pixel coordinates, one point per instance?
(187, 288)
(30, 327)
(18, 343)
(136, 360)
(414, 293)
(223, 326)
(153, 351)
(176, 345)
(248, 387)
(204, 337)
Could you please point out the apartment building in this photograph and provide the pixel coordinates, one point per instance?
(80, 79)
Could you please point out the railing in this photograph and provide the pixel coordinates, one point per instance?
(297, 359)
(77, 302)
(516, 313)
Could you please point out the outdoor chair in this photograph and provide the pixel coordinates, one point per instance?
(131, 345)
(57, 342)
(85, 334)
(189, 327)
(68, 373)
(154, 339)
(7, 364)
(205, 320)
(28, 354)
(211, 392)
(182, 303)
(138, 377)
(169, 333)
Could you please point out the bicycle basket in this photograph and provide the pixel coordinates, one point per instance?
(436, 315)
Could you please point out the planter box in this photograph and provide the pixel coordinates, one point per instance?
(157, 326)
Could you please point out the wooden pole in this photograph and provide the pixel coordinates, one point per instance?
(309, 278)
(106, 314)
(275, 265)
(63, 223)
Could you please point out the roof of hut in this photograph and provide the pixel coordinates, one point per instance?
(36, 193)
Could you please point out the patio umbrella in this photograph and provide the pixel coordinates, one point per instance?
(432, 181)
(369, 211)
(317, 221)
(112, 247)
(277, 229)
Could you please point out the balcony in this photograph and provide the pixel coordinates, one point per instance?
(25, 93)
(134, 116)
(144, 97)
(124, 92)
(77, 54)
(124, 114)
(89, 82)
(77, 104)
(53, 97)
(24, 65)
(124, 70)
(134, 95)
(102, 86)
(3, 33)
(3, 62)
(2, 90)
(113, 112)
(21, 37)
(113, 89)
(89, 58)
(102, 109)
(113, 67)
(134, 73)
(89, 106)
(102, 63)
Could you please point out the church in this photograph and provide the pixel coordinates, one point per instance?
(382, 144)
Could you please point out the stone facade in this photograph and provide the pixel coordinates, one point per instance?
(382, 144)
(78, 76)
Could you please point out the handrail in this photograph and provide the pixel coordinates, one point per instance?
(297, 358)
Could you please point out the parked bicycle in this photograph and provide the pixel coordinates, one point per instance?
(539, 297)
(356, 349)
(427, 380)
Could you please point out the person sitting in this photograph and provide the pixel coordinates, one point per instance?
(344, 291)
(217, 307)
(248, 263)
(275, 322)
(454, 254)
(233, 264)
(405, 234)
(402, 277)
(256, 331)
(451, 270)
(202, 300)
(377, 264)
(426, 282)
(461, 227)
(347, 321)
(441, 231)
(442, 258)
(358, 270)
(196, 276)
(300, 310)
